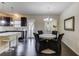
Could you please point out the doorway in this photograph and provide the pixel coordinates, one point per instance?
(30, 29)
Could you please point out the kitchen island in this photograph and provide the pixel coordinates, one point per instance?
(8, 40)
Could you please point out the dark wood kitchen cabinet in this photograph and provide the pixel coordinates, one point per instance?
(5, 21)
(8, 21)
(23, 21)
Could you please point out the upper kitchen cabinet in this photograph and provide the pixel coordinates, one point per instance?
(6, 21)
(23, 21)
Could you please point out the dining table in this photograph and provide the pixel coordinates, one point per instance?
(47, 36)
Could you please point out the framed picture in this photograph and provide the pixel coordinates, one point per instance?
(69, 24)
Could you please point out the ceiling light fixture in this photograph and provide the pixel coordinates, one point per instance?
(48, 19)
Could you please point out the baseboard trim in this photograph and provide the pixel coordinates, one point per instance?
(70, 48)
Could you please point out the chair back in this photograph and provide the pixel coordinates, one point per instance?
(40, 32)
(54, 32)
(36, 36)
(60, 37)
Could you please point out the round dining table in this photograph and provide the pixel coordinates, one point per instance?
(47, 36)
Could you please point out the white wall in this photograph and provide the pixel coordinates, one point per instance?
(71, 38)
(39, 23)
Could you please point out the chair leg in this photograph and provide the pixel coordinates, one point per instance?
(59, 49)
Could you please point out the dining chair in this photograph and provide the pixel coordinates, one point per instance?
(55, 44)
(36, 37)
(36, 41)
(49, 51)
(40, 44)
(40, 32)
(55, 33)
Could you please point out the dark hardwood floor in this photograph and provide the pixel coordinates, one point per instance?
(66, 51)
(28, 49)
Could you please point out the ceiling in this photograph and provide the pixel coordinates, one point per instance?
(34, 8)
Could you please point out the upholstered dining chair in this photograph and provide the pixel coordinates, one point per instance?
(40, 44)
(36, 41)
(55, 33)
(55, 44)
(40, 32)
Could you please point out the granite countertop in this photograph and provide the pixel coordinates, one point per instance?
(9, 33)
